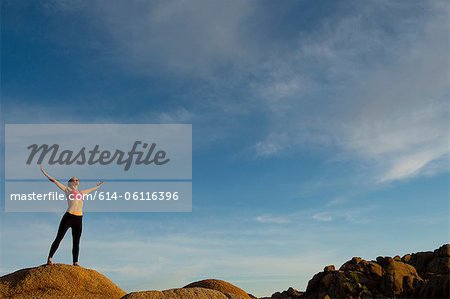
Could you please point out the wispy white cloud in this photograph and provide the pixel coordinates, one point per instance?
(265, 149)
(177, 116)
(272, 219)
(186, 37)
(323, 216)
(339, 200)
(412, 164)
(338, 209)
(349, 215)
(381, 98)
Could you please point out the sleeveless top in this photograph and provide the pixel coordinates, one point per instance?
(75, 202)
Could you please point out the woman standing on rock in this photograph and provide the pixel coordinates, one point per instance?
(72, 218)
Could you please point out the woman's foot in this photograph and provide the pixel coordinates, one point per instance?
(76, 264)
(49, 261)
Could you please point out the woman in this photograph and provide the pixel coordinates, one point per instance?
(73, 216)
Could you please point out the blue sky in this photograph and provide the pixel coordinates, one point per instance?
(320, 130)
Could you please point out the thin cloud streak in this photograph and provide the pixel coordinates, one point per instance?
(272, 219)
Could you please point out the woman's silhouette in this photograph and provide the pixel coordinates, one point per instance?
(72, 218)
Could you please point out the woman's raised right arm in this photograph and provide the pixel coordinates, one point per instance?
(57, 183)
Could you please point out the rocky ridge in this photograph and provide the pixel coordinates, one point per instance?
(415, 275)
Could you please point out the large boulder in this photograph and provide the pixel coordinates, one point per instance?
(358, 264)
(337, 284)
(399, 279)
(419, 261)
(231, 291)
(58, 281)
(189, 293)
(359, 278)
(443, 251)
(429, 263)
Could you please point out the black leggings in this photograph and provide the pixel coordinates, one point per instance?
(76, 223)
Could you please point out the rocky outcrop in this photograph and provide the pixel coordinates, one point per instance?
(359, 278)
(204, 289)
(434, 267)
(229, 290)
(417, 275)
(290, 293)
(191, 293)
(58, 281)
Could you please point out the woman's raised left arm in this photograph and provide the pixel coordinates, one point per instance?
(87, 191)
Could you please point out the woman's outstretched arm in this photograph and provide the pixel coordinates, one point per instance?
(87, 191)
(57, 183)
